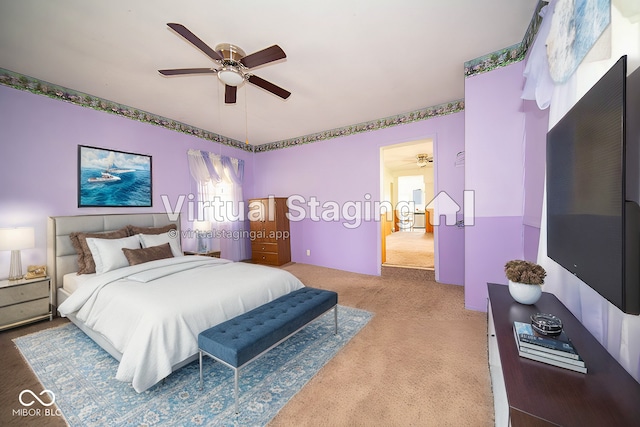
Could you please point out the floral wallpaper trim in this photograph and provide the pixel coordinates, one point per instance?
(509, 55)
(33, 85)
(494, 60)
(400, 119)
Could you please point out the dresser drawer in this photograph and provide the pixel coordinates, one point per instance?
(26, 292)
(26, 310)
(269, 258)
(264, 247)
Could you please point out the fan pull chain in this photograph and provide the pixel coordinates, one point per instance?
(246, 119)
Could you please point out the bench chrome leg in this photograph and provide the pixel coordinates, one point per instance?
(335, 315)
(235, 372)
(201, 381)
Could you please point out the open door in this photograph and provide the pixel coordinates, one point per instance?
(403, 184)
(386, 225)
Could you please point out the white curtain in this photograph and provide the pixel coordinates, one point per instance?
(539, 84)
(219, 184)
(205, 178)
(230, 218)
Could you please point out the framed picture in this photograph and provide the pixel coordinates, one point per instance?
(110, 178)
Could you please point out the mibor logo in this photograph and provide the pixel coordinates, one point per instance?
(28, 398)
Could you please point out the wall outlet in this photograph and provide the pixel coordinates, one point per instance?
(308, 252)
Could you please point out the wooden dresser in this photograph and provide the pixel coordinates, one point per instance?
(269, 231)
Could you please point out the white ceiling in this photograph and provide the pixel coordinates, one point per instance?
(348, 61)
(402, 158)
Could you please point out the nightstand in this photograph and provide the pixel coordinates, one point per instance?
(214, 254)
(24, 301)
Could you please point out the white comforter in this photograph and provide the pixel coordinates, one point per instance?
(152, 313)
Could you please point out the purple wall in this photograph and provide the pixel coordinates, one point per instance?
(505, 155)
(346, 170)
(531, 242)
(495, 129)
(449, 178)
(536, 125)
(38, 161)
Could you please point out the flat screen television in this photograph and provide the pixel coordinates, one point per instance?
(593, 218)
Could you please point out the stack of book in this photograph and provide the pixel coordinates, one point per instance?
(554, 350)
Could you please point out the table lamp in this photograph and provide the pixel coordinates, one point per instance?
(203, 232)
(15, 239)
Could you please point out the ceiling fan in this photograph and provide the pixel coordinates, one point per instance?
(412, 162)
(232, 65)
(423, 159)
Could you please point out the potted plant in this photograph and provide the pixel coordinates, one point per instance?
(525, 280)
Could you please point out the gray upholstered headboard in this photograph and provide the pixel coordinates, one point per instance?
(61, 256)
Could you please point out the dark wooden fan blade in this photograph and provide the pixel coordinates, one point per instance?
(194, 40)
(276, 90)
(230, 94)
(179, 71)
(263, 56)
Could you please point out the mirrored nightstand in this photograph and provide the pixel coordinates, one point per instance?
(24, 301)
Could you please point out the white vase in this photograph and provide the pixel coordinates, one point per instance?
(524, 293)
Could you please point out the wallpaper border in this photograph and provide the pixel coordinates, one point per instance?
(387, 122)
(508, 55)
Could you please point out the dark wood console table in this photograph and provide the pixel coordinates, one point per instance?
(543, 395)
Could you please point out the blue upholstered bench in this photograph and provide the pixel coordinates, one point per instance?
(244, 338)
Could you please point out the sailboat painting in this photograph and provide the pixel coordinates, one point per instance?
(110, 178)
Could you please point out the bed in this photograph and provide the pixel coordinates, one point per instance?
(148, 315)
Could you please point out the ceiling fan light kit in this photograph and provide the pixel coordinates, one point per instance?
(232, 72)
(423, 160)
(231, 75)
(233, 64)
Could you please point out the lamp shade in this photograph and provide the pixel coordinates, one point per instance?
(202, 225)
(12, 239)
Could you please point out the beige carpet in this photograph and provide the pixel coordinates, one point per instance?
(410, 248)
(421, 360)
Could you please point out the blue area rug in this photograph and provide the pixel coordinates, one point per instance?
(81, 375)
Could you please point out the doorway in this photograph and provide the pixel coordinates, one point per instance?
(408, 184)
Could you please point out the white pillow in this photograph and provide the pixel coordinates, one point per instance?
(108, 254)
(149, 240)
